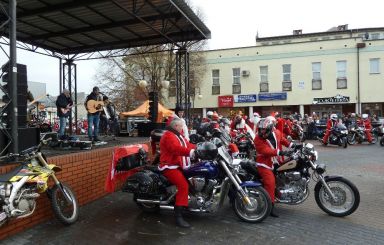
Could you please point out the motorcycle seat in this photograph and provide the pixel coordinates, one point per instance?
(7, 176)
(156, 170)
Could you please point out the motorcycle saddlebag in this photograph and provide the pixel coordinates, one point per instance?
(144, 182)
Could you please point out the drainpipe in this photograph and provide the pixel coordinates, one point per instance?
(358, 46)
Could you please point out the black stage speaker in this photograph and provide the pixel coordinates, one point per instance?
(28, 137)
(145, 129)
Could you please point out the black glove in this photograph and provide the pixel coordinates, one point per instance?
(285, 153)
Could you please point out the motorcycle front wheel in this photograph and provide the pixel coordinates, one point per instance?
(351, 138)
(382, 141)
(347, 197)
(345, 143)
(260, 209)
(66, 211)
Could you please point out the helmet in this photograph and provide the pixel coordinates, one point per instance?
(178, 108)
(206, 151)
(209, 114)
(265, 127)
(364, 116)
(204, 129)
(334, 117)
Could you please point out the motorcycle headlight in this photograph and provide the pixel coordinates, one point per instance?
(344, 131)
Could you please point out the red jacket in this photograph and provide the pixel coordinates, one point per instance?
(268, 153)
(280, 123)
(174, 151)
(366, 123)
(331, 124)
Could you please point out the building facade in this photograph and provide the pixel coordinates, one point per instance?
(337, 71)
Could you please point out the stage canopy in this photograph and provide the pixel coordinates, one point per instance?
(80, 26)
(143, 110)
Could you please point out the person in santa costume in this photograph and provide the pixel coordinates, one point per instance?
(176, 152)
(365, 122)
(331, 123)
(268, 143)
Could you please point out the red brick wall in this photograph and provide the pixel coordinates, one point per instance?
(84, 172)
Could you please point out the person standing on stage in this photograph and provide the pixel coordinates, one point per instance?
(64, 104)
(93, 118)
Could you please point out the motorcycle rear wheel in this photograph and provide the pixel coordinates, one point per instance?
(66, 212)
(346, 193)
(261, 205)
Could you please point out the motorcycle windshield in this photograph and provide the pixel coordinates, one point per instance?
(341, 127)
(223, 152)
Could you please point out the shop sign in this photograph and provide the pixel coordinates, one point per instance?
(225, 101)
(331, 100)
(245, 98)
(272, 96)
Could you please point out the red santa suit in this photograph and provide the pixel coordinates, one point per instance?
(280, 123)
(330, 124)
(366, 123)
(175, 156)
(268, 154)
(287, 127)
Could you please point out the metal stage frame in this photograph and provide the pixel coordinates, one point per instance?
(74, 30)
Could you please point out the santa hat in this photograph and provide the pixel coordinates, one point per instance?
(255, 114)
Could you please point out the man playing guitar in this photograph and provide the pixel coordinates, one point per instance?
(64, 104)
(94, 104)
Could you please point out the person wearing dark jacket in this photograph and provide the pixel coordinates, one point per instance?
(64, 104)
(93, 118)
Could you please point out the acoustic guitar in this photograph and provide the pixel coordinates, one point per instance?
(94, 106)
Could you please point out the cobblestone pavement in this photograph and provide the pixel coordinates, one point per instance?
(115, 219)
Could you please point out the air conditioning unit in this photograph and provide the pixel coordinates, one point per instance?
(245, 73)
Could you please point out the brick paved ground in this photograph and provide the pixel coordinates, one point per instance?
(116, 220)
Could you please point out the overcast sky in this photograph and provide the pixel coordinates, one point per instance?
(233, 24)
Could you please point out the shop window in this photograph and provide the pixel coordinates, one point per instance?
(236, 89)
(215, 89)
(264, 87)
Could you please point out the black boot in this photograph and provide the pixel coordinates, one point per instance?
(179, 217)
(273, 212)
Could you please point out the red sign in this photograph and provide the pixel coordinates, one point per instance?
(225, 101)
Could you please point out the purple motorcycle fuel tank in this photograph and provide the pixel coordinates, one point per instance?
(205, 169)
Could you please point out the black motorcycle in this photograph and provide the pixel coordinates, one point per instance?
(357, 134)
(338, 136)
(335, 195)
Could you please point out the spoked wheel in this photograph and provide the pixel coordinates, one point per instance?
(260, 208)
(65, 208)
(351, 138)
(347, 197)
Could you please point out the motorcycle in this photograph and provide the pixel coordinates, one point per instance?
(357, 134)
(338, 136)
(297, 132)
(210, 181)
(334, 195)
(20, 188)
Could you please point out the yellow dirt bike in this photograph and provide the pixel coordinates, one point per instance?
(20, 188)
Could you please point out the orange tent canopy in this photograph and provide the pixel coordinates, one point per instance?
(143, 111)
